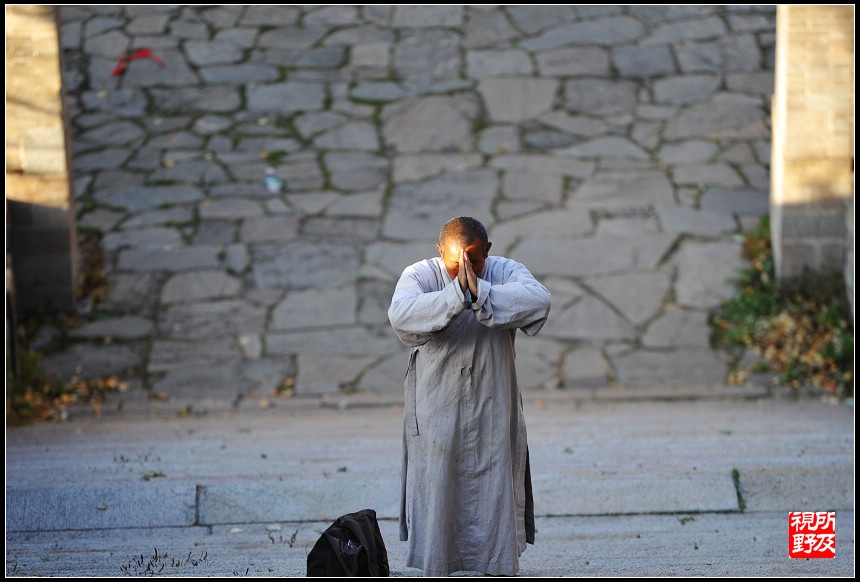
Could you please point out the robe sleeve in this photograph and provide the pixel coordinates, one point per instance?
(518, 301)
(417, 313)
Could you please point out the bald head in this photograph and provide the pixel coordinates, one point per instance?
(463, 230)
(463, 238)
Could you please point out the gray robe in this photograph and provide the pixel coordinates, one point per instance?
(466, 497)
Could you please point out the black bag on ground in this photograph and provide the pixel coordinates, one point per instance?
(351, 546)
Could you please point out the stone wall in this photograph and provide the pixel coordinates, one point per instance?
(812, 158)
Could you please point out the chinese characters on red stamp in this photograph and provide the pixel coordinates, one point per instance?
(812, 534)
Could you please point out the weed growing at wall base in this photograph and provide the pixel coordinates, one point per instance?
(800, 332)
(33, 395)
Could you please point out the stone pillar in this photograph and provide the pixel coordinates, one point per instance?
(812, 158)
(40, 221)
(849, 270)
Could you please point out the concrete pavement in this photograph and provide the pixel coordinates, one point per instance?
(616, 150)
(637, 484)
